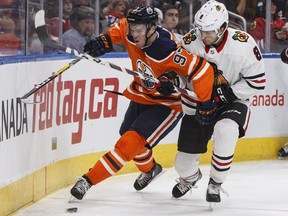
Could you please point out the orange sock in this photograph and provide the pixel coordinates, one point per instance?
(128, 146)
(145, 160)
(106, 166)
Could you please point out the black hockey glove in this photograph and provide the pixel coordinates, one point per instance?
(284, 55)
(206, 112)
(166, 86)
(225, 94)
(99, 46)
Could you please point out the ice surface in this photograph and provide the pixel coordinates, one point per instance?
(255, 188)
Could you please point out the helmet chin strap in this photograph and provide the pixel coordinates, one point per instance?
(147, 38)
(220, 36)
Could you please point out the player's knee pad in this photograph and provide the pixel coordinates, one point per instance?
(186, 164)
(226, 132)
(130, 144)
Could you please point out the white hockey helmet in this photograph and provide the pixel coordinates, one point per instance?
(212, 16)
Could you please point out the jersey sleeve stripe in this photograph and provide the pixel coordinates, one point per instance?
(255, 76)
(190, 70)
(259, 81)
(201, 72)
(197, 67)
(256, 87)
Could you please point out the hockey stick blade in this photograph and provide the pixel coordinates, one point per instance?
(28, 101)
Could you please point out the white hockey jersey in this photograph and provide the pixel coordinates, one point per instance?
(238, 57)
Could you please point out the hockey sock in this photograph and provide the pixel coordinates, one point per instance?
(128, 146)
(144, 161)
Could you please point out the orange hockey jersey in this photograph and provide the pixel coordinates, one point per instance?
(163, 55)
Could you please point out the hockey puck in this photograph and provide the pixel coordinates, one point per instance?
(72, 210)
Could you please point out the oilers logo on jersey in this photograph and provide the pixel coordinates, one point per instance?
(146, 71)
(240, 36)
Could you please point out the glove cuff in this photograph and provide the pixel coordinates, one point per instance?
(107, 43)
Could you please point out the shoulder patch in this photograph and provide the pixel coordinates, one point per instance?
(189, 37)
(240, 36)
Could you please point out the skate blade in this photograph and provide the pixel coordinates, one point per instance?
(163, 171)
(160, 174)
(72, 199)
(212, 205)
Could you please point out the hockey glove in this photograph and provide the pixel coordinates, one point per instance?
(99, 46)
(225, 94)
(206, 112)
(166, 86)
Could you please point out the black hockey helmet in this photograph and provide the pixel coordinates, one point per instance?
(142, 15)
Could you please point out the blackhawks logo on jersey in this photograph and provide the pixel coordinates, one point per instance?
(219, 79)
(189, 37)
(240, 36)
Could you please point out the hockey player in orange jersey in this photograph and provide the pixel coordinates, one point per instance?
(154, 110)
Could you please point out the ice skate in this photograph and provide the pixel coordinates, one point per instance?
(283, 152)
(80, 188)
(183, 186)
(144, 179)
(213, 193)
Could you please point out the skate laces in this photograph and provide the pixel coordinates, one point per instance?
(285, 147)
(144, 178)
(82, 185)
(184, 186)
(215, 189)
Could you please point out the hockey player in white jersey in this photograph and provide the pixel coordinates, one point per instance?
(240, 75)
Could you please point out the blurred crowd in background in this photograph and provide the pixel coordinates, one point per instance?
(73, 22)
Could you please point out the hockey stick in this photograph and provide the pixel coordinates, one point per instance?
(46, 40)
(49, 79)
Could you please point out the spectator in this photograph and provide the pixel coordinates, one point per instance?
(171, 19)
(52, 16)
(9, 42)
(67, 10)
(278, 36)
(183, 12)
(83, 28)
(251, 10)
(115, 11)
(235, 6)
